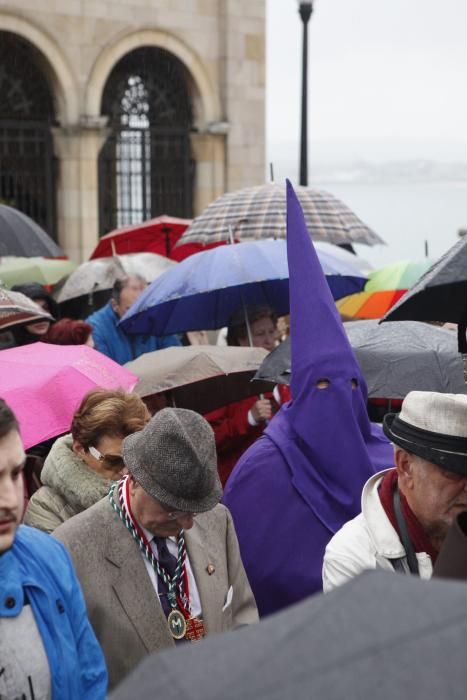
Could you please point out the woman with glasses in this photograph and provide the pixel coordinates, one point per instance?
(81, 466)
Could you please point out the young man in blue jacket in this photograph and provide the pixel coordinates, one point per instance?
(48, 649)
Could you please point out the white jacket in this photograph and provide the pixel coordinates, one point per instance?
(369, 541)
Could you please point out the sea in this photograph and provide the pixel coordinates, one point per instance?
(416, 206)
(412, 218)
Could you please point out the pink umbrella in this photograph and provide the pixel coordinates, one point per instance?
(45, 383)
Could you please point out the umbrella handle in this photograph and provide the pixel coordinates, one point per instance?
(261, 396)
(461, 339)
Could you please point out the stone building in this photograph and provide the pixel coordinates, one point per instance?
(114, 111)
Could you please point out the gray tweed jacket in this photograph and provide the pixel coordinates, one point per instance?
(122, 604)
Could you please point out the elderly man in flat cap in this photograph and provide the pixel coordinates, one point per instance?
(407, 511)
(158, 560)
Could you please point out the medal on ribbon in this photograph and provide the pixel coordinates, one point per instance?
(180, 622)
(177, 624)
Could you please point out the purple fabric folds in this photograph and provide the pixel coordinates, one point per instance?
(302, 480)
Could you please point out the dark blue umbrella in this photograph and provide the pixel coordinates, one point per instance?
(204, 290)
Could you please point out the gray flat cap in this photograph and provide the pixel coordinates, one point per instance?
(174, 459)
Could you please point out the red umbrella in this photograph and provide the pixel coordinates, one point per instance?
(157, 235)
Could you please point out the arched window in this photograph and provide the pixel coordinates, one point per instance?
(27, 179)
(145, 166)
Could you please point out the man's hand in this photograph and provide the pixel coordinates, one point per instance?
(262, 410)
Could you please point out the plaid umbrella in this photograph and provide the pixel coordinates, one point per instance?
(16, 308)
(259, 212)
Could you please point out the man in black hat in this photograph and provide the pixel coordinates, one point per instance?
(407, 511)
(158, 559)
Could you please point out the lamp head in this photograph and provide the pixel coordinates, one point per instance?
(305, 9)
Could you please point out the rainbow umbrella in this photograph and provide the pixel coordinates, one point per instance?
(399, 275)
(368, 305)
(383, 288)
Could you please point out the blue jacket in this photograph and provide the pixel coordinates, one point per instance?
(39, 566)
(111, 340)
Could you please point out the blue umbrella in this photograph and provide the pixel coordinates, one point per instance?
(204, 290)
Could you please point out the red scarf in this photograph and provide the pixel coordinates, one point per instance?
(418, 537)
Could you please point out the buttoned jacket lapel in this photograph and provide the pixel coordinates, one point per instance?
(133, 588)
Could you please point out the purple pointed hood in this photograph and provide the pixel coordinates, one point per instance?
(324, 434)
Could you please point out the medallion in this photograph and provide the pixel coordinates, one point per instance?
(194, 629)
(177, 624)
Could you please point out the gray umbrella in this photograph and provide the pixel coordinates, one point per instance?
(381, 636)
(100, 274)
(199, 377)
(20, 235)
(395, 358)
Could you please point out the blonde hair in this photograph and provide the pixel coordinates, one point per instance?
(113, 413)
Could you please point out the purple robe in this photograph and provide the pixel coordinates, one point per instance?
(302, 480)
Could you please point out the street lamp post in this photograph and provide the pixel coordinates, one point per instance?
(305, 9)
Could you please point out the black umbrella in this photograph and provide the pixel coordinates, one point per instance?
(451, 561)
(439, 295)
(395, 358)
(382, 636)
(20, 235)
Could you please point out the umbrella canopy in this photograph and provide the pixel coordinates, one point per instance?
(204, 290)
(100, 274)
(44, 384)
(440, 295)
(199, 377)
(45, 271)
(345, 644)
(395, 358)
(157, 235)
(260, 212)
(368, 305)
(339, 253)
(20, 235)
(399, 275)
(17, 308)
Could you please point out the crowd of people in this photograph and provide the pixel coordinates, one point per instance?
(152, 529)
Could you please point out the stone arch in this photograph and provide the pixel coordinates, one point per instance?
(205, 99)
(55, 65)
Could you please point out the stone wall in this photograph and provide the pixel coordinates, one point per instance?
(221, 43)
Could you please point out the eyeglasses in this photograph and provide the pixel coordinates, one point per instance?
(175, 514)
(111, 460)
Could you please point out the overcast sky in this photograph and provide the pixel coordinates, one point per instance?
(387, 79)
